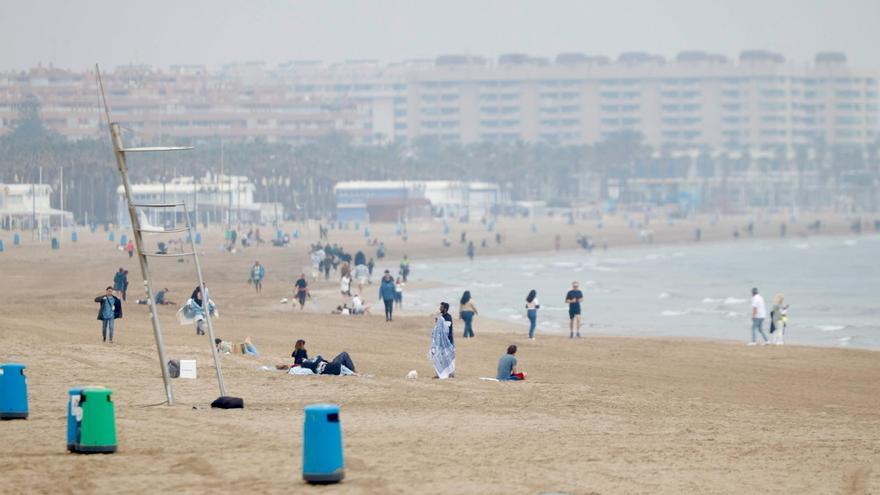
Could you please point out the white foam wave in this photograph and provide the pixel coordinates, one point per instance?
(670, 312)
(733, 300)
(663, 295)
(516, 317)
(830, 328)
(711, 300)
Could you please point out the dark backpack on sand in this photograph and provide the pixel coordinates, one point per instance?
(228, 403)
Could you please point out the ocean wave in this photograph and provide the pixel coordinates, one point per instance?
(671, 312)
(606, 269)
(732, 300)
(843, 341)
(802, 245)
(849, 242)
(712, 300)
(830, 328)
(663, 295)
(564, 264)
(487, 284)
(516, 317)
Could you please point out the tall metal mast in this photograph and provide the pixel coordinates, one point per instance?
(137, 233)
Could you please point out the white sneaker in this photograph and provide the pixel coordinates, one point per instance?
(751, 344)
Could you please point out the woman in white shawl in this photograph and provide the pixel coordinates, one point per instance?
(442, 352)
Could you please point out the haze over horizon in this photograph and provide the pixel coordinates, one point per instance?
(75, 35)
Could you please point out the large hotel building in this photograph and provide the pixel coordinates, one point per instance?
(696, 100)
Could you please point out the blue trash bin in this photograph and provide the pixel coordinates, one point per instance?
(1, 245)
(16, 239)
(13, 391)
(55, 243)
(123, 240)
(198, 237)
(73, 236)
(322, 444)
(73, 409)
(112, 237)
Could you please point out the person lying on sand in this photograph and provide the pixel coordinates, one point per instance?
(341, 365)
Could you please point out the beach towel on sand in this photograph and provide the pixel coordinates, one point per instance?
(442, 352)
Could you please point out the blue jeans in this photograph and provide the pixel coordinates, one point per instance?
(468, 317)
(757, 323)
(533, 320)
(105, 325)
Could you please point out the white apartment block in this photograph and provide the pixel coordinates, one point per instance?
(697, 100)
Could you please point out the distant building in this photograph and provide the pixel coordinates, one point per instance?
(695, 100)
(26, 206)
(211, 199)
(380, 201)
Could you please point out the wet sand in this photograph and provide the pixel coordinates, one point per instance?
(596, 415)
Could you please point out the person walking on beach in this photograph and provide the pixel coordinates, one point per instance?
(108, 312)
(759, 312)
(470, 250)
(258, 272)
(398, 292)
(302, 290)
(124, 284)
(387, 293)
(532, 312)
(778, 319)
(573, 299)
(130, 248)
(467, 310)
(119, 281)
(404, 268)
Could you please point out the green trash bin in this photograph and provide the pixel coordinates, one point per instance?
(96, 428)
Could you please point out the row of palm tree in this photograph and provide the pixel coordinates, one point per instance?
(302, 177)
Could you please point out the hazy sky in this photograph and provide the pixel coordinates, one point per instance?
(77, 33)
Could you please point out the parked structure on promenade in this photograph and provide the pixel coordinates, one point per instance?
(28, 206)
(392, 201)
(210, 199)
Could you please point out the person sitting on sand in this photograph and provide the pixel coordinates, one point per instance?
(507, 366)
(222, 346)
(359, 306)
(299, 353)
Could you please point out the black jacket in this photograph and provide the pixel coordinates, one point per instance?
(117, 307)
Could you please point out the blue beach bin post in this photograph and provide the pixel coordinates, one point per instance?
(112, 237)
(16, 239)
(73, 409)
(13, 391)
(55, 243)
(198, 237)
(73, 236)
(322, 444)
(1, 245)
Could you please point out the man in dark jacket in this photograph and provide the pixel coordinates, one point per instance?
(108, 312)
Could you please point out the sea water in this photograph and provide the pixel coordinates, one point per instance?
(832, 285)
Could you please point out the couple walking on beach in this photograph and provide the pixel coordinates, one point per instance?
(778, 319)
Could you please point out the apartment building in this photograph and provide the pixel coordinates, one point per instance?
(696, 100)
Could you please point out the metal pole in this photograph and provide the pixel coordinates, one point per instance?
(142, 258)
(206, 305)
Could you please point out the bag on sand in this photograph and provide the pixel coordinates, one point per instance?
(225, 402)
(174, 368)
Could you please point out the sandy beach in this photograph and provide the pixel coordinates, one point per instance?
(598, 415)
